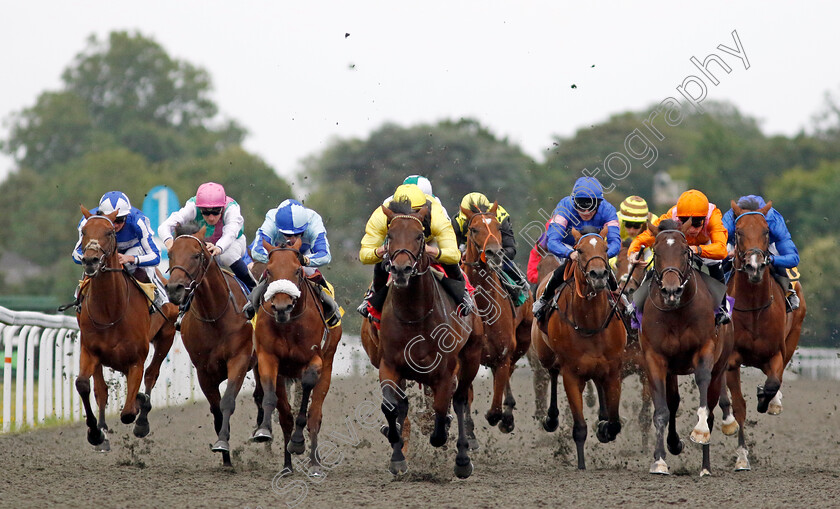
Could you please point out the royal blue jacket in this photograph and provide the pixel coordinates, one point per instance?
(788, 256)
(137, 233)
(560, 241)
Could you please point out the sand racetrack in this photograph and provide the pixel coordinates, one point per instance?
(795, 459)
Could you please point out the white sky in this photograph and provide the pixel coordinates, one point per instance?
(283, 69)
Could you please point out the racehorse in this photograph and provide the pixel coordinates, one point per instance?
(765, 334)
(507, 329)
(116, 328)
(585, 342)
(548, 262)
(216, 335)
(423, 338)
(634, 362)
(679, 337)
(293, 341)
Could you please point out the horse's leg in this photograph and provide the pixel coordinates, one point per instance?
(470, 359)
(237, 367)
(551, 419)
(210, 388)
(87, 366)
(574, 393)
(610, 427)
(645, 415)
(672, 395)
(100, 390)
(443, 392)
(469, 425)
(773, 370)
(739, 409)
(541, 381)
(501, 375)
(507, 424)
(287, 422)
(163, 340)
(133, 400)
(701, 434)
(268, 379)
(591, 392)
(258, 394)
(313, 422)
(395, 408)
(308, 381)
(657, 371)
(729, 426)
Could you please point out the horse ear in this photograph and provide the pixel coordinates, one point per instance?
(85, 212)
(576, 234)
(202, 232)
(467, 213)
(388, 213)
(765, 209)
(684, 227)
(494, 207)
(736, 209)
(296, 243)
(604, 231)
(268, 247)
(112, 215)
(652, 228)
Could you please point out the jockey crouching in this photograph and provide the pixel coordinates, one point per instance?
(440, 245)
(784, 256)
(291, 220)
(136, 250)
(584, 207)
(707, 239)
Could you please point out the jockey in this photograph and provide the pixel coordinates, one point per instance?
(784, 256)
(633, 215)
(706, 238)
(584, 207)
(225, 232)
(426, 186)
(285, 223)
(136, 250)
(534, 258)
(446, 252)
(477, 202)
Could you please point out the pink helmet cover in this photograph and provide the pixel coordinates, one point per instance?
(210, 194)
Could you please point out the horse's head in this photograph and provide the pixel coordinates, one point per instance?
(622, 270)
(99, 241)
(406, 240)
(752, 240)
(188, 261)
(671, 260)
(592, 260)
(284, 273)
(484, 235)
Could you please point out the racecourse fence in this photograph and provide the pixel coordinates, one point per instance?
(41, 363)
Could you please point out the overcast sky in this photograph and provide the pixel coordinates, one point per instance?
(288, 72)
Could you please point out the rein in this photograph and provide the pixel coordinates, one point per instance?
(582, 267)
(196, 281)
(482, 256)
(685, 275)
(418, 257)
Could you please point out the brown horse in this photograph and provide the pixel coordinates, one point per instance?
(765, 335)
(507, 329)
(293, 341)
(116, 328)
(634, 361)
(216, 335)
(585, 342)
(423, 338)
(679, 337)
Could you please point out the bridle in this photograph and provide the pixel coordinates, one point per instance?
(198, 279)
(417, 258)
(741, 256)
(585, 265)
(106, 253)
(684, 274)
(490, 235)
(301, 283)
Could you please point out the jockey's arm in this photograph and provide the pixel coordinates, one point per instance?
(508, 239)
(234, 223)
(645, 239)
(151, 255)
(77, 251)
(376, 230)
(266, 232)
(716, 250)
(182, 216)
(444, 234)
(319, 250)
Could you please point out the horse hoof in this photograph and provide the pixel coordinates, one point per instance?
(262, 435)
(220, 446)
(774, 409)
(506, 426)
(95, 436)
(601, 432)
(295, 447)
(128, 418)
(550, 424)
(742, 462)
(730, 428)
(398, 467)
(463, 471)
(700, 437)
(438, 441)
(705, 472)
(105, 446)
(141, 430)
(493, 418)
(315, 472)
(659, 467)
(473, 444)
(676, 448)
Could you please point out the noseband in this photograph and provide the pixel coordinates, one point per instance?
(741, 256)
(204, 265)
(94, 244)
(415, 257)
(300, 282)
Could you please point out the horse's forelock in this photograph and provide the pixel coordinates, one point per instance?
(189, 228)
(401, 206)
(669, 224)
(589, 229)
(750, 204)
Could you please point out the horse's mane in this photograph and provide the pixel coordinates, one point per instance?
(669, 224)
(750, 204)
(189, 228)
(404, 207)
(626, 242)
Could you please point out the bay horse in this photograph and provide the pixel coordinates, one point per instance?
(293, 341)
(679, 337)
(634, 361)
(507, 329)
(216, 334)
(765, 334)
(116, 329)
(584, 341)
(422, 338)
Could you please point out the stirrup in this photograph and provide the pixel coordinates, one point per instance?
(540, 308)
(249, 310)
(722, 318)
(363, 308)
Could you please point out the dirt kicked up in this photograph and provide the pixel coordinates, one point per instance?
(795, 459)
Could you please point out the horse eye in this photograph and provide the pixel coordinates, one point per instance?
(473, 230)
(196, 256)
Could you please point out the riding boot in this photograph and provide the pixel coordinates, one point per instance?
(792, 298)
(519, 285)
(363, 307)
(254, 299)
(458, 290)
(723, 314)
(332, 315)
(541, 305)
(240, 270)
